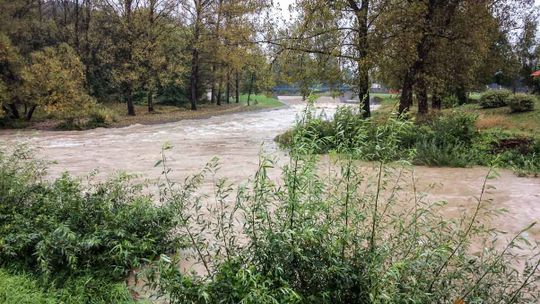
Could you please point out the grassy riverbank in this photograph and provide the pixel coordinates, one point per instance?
(114, 114)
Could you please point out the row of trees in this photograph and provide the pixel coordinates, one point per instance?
(102, 50)
(180, 49)
(429, 48)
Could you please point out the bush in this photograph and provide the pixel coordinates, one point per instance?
(495, 99)
(450, 101)
(106, 227)
(331, 238)
(522, 102)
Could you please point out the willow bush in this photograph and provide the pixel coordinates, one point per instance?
(334, 233)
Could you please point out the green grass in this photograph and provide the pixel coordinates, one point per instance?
(526, 123)
(261, 100)
(22, 289)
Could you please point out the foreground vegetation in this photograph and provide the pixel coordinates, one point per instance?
(345, 237)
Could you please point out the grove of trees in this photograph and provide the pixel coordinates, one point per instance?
(64, 56)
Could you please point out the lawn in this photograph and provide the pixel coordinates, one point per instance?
(526, 124)
(261, 101)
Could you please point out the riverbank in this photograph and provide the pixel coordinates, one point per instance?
(113, 115)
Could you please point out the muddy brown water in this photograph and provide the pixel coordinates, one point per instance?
(237, 140)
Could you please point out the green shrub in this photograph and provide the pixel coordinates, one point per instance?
(522, 102)
(495, 99)
(101, 116)
(331, 238)
(65, 228)
(450, 101)
(455, 127)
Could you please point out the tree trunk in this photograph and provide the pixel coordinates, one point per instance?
(228, 88)
(461, 94)
(129, 99)
(406, 99)
(193, 79)
(363, 94)
(424, 47)
(250, 87)
(421, 94)
(361, 13)
(220, 88)
(14, 112)
(30, 113)
(237, 87)
(150, 101)
(436, 101)
(213, 88)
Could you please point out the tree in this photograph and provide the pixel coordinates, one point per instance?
(341, 29)
(55, 81)
(11, 65)
(526, 49)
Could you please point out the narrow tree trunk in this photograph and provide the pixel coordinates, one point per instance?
(213, 87)
(129, 99)
(461, 94)
(194, 78)
(30, 113)
(77, 39)
(237, 87)
(150, 101)
(228, 88)
(363, 93)
(362, 48)
(436, 101)
(250, 87)
(220, 88)
(422, 97)
(406, 99)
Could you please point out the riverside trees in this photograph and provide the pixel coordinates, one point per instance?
(132, 50)
(177, 50)
(431, 48)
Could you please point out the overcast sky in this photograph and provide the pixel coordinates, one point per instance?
(284, 4)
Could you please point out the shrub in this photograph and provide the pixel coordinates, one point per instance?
(106, 227)
(101, 116)
(331, 238)
(450, 101)
(522, 102)
(495, 99)
(456, 127)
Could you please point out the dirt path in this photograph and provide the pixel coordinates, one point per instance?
(237, 139)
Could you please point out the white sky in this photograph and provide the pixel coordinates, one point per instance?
(284, 4)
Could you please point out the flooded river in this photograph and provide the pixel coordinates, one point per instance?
(237, 139)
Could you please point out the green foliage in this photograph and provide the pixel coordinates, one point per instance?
(450, 101)
(495, 99)
(449, 139)
(22, 289)
(331, 238)
(522, 102)
(55, 81)
(65, 228)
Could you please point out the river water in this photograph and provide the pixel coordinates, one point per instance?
(237, 140)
